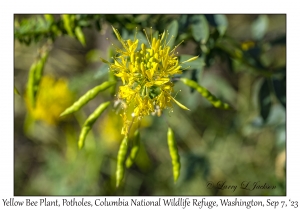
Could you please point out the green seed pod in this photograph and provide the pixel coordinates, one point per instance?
(174, 154)
(54, 27)
(87, 97)
(134, 150)
(30, 89)
(49, 17)
(68, 23)
(206, 94)
(40, 67)
(121, 160)
(87, 126)
(34, 77)
(80, 36)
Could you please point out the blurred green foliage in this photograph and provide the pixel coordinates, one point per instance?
(242, 61)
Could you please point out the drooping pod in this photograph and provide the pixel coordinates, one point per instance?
(34, 77)
(80, 36)
(30, 89)
(40, 65)
(134, 150)
(89, 123)
(68, 21)
(174, 154)
(121, 160)
(206, 94)
(87, 97)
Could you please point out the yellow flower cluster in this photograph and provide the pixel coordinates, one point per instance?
(146, 75)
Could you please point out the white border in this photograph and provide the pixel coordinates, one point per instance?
(6, 72)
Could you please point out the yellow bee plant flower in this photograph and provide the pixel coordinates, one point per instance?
(146, 75)
(147, 72)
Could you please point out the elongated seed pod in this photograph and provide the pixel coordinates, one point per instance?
(121, 160)
(54, 27)
(206, 94)
(34, 77)
(49, 17)
(87, 97)
(87, 126)
(40, 67)
(30, 89)
(134, 150)
(80, 36)
(68, 23)
(174, 154)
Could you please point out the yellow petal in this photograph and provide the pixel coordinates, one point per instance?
(161, 81)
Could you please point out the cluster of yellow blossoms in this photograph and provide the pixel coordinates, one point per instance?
(146, 75)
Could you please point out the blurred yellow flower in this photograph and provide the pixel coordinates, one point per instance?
(53, 97)
(110, 129)
(247, 45)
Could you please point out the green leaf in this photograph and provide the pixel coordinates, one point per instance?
(222, 23)
(155, 34)
(280, 89)
(200, 28)
(173, 31)
(142, 18)
(142, 38)
(264, 97)
(196, 165)
(103, 70)
(259, 27)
